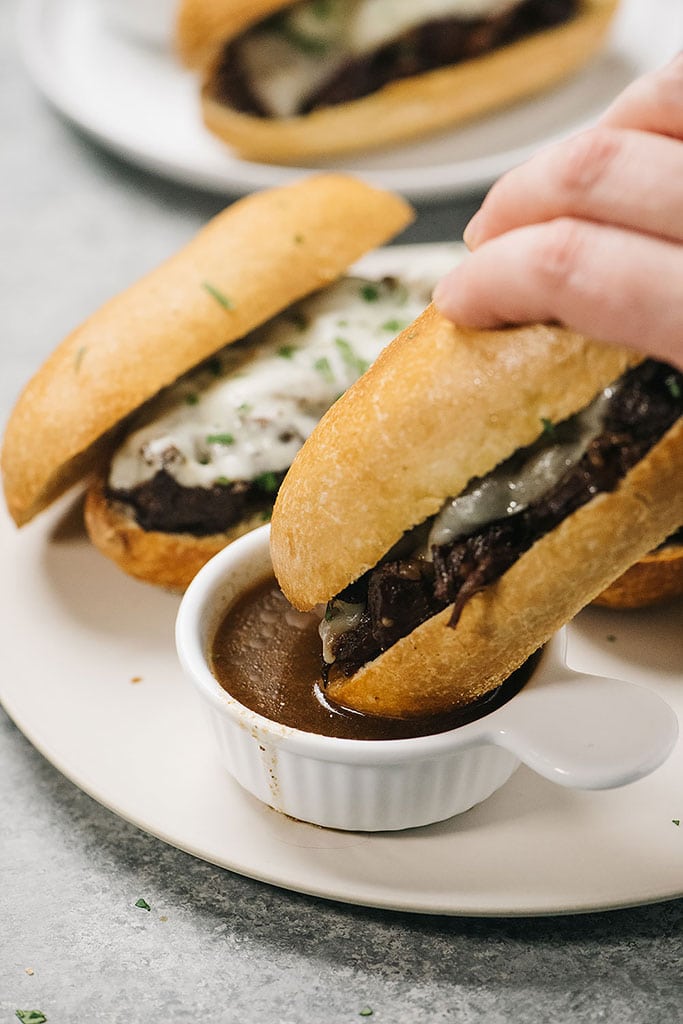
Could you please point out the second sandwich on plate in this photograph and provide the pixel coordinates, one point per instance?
(184, 399)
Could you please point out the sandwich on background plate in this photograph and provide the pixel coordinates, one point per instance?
(284, 82)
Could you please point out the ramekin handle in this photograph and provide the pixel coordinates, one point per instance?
(588, 732)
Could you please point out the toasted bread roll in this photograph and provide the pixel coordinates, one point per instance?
(654, 579)
(442, 407)
(409, 107)
(252, 260)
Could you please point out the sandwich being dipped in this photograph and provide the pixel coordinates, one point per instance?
(468, 497)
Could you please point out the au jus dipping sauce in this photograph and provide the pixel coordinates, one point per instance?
(267, 656)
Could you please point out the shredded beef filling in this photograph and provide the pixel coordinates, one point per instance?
(161, 503)
(436, 44)
(401, 593)
(675, 538)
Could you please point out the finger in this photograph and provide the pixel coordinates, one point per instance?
(627, 178)
(653, 103)
(606, 282)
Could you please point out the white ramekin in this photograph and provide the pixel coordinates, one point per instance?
(577, 730)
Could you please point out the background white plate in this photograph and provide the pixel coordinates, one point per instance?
(137, 101)
(89, 674)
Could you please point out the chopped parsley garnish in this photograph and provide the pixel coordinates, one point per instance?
(31, 1016)
(299, 239)
(548, 426)
(351, 358)
(78, 359)
(220, 298)
(323, 367)
(676, 821)
(394, 326)
(220, 439)
(266, 515)
(611, 638)
(287, 351)
(222, 481)
(244, 407)
(365, 1012)
(267, 482)
(191, 398)
(369, 292)
(142, 904)
(673, 386)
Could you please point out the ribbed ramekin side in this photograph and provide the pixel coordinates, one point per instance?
(361, 797)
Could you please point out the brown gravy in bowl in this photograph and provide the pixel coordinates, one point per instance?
(267, 656)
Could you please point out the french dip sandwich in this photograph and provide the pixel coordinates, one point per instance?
(283, 82)
(186, 397)
(467, 497)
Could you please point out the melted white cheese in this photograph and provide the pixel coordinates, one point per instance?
(341, 618)
(292, 54)
(375, 22)
(249, 410)
(508, 490)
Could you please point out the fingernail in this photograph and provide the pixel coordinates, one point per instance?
(442, 292)
(471, 232)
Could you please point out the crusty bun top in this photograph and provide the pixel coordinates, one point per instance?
(202, 26)
(440, 406)
(252, 260)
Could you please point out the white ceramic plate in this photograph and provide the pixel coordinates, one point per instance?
(89, 674)
(137, 101)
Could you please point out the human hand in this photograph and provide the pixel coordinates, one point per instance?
(589, 232)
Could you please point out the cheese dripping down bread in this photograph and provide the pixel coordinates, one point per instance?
(257, 259)
(284, 82)
(468, 497)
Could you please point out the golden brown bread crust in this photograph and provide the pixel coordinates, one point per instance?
(440, 406)
(654, 579)
(260, 254)
(169, 560)
(412, 107)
